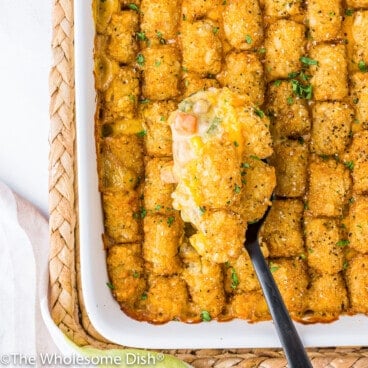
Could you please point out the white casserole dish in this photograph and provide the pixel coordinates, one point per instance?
(104, 312)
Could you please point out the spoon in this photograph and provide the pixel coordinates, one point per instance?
(289, 338)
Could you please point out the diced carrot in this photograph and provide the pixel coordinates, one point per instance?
(185, 123)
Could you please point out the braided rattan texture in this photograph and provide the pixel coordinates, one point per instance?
(65, 297)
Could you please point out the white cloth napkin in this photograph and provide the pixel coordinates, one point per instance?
(24, 250)
(26, 328)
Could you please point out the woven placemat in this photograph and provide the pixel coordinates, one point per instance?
(65, 298)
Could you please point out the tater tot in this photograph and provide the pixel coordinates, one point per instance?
(329, 184)
(194, 82)
(160, 20)
(161, 69)
(256, 134)
(329, 77)
(121, 163)
(284, 45)
(282, 9)
(324, 19)
(331, 127)
(243, 73)
(243, 24)
(122, 42)
(259, 181)
(290, 160)
(201, 47)
(167, 299)
(163, 234)
(357, 283)
(199, 8)
(126, 272)
(288, 120)
(359, 95)
(250, 306)
(292, 280)
(205, 282)
(324, 245)
(219, 246)
(327, 297)
(122, 216)
(282, 230)
(158, 141)
(240, 275)
(157, 193)
(360, 37)
(121, 96)
(358, 224)
(357, 160)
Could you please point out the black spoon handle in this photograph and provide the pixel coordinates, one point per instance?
(290, 340)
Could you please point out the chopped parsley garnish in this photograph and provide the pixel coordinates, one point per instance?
(343, 243)
(308, 61)
(245, 165)
(205, 316)
(301, 90)
(202, 210)
(345, 265)
(349, 164)
(331, 14)
(160, 38)
(255, 157)
(351, 200)
(248, 39)
(170, 220)
(301, 140)
(349, 12)
(362, 66)
(355, 100)
(141, 36)
(214, 125)
(144, 101)
(259, 112)
(234, 279)
(273, 267)
(140, 59)
(144, 296)
(134, 7)
(162, 118)
(262, 50)
(215, 30)
(277, 82)
(136, 274)
(141, 214)
(110, 285)
(157, 62)
(237, 189)
(158, 207)
(303, 256)
(236, 144)
(290, 100)
(142, 133)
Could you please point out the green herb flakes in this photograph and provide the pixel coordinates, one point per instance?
(205, 316)
(248, 39)
(140, 59)
(110, 285)
(308, 61)
(343, 243)
(170, 220)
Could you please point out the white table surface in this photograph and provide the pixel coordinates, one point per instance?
(25, 37)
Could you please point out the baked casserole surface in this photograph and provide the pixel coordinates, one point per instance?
(302, 67)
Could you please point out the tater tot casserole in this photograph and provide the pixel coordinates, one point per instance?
(210, 111)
